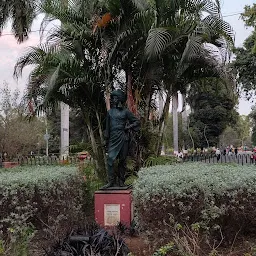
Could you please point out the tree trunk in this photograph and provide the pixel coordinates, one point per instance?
(147, 108)
(163, 122)
(108, 98)
(184, 120)
(130, 99)
(175, 122)
(102, 140)
(189, 133)
(94, 145)
(64, 143)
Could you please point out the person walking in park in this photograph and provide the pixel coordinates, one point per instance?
(218, 153)
(236, 151)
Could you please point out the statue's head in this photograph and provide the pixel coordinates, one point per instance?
(118, 98)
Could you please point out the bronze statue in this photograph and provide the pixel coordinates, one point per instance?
(118, 124)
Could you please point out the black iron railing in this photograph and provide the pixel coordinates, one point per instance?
(212, 158)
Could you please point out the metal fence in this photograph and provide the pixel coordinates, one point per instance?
(243, 159)
(42, 160)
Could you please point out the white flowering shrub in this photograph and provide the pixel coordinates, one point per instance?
(221, 199)
(38, 197)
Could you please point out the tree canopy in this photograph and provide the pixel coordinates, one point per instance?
(18, 136)
(212, 102)
(244, 65)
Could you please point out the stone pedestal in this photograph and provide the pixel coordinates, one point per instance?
(113, 207)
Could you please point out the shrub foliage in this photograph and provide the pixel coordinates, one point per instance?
(219, 199)
(35, 198)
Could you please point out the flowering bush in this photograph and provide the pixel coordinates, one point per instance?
(220, 199)
(34, 198)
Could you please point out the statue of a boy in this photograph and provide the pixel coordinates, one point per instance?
(119, 121)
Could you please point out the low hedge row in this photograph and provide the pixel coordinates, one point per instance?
(37, 198)
(219, 199)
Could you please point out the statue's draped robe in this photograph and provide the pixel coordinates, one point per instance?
(117, 120)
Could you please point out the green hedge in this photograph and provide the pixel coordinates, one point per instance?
(219, 199)
(34, 198)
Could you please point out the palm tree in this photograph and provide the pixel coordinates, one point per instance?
(21, 13)
(183, 36)
(66, 69)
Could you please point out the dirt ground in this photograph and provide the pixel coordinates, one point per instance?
(139, 246)
(244, 246)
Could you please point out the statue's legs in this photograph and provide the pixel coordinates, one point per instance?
(111, 173)
(122, 164)
(122, 155)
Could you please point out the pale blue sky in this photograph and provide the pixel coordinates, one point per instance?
(10, 50)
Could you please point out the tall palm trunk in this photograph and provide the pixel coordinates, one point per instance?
(175, 122)
(94, 145)
(184, 120)
(130, 99)
(64, 123)
(101, 139)
(108, 98)
(162, 122)
(147, 108)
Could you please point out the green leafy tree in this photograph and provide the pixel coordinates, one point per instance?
(242, 127)
(244, 65)
(18, 135)
(212, 102)
(229, 137)
(252, 117)
(249, 15)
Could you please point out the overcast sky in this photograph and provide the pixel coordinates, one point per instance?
(10, 50)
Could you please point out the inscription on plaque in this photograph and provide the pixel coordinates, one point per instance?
(111, 214)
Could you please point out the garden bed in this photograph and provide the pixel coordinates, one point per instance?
(38, 198)
(196, 200)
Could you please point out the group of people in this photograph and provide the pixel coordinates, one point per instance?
(230, 151)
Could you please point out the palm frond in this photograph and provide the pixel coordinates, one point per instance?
(219, 27)
(21, 13)
(157, 41)
(141, 4)
(193, 49)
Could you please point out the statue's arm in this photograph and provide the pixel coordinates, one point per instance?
(134, 122)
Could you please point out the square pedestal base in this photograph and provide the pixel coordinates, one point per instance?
(113, 207)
